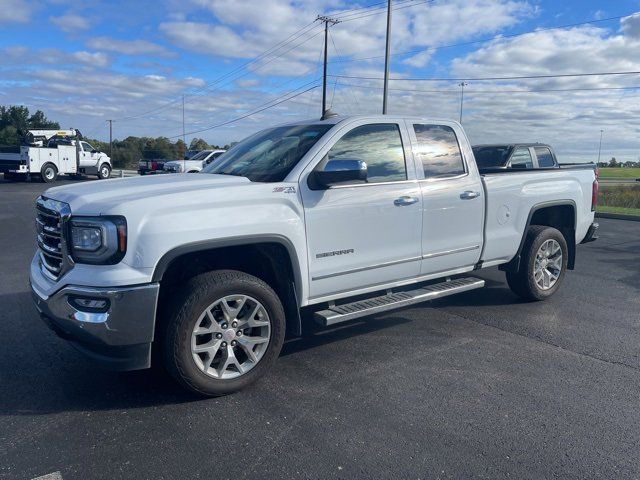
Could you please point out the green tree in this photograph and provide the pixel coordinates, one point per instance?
(613, 163)
(199, 144)
(15, 119)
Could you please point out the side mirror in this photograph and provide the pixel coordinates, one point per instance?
(95, 151)
(336, 172)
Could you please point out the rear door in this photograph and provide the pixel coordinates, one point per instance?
(452, 196)
(363, 235)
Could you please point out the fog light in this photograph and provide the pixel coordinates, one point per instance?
(86, 304)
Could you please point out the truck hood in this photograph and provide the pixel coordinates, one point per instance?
(98, 197)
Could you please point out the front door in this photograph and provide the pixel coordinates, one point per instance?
(453, 199)
(88, 155)
(362, 235)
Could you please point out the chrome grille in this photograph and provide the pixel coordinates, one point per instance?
(51, 218)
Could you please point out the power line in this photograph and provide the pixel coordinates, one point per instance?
(372, 9)
(457, 92)
(253, 112)
(480, 79)
(294, 36)
(496, 37)
(367, 7)
(402, 7)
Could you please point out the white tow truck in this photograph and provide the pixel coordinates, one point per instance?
(48, 153)
(331, 219)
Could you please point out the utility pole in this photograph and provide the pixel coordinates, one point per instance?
(326, 21)
(387, 60)
(110, 138)
(184, 141)
(600, 146)
(462, 85)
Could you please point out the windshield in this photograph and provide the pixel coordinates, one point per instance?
(270, 155)
(492, 156)
(201, 155)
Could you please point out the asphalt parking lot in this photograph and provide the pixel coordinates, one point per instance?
(478, 385)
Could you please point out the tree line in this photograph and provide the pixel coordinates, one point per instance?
(125, 153)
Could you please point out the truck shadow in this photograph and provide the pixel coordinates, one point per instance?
(42, 374)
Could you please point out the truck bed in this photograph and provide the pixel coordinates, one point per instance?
(510, 203)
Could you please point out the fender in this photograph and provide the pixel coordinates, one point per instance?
(514, 264)
(168, 257)
(294, 325)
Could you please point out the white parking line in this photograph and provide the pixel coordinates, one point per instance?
(50, 476)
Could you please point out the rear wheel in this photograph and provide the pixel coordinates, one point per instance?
(104, 171)
(543, 264)
(49, 173)
(224, 331)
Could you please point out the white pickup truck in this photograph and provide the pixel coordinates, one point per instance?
(48, 153)
(332, 219)
(193, 165)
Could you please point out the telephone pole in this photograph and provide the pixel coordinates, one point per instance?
(110, 138)
(184, 138)
(326, 21)
(462, 85)
(600, 145)
(387, 60)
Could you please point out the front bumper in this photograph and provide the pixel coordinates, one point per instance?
(118, 338)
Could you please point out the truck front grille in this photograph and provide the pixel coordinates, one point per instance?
(51, 218)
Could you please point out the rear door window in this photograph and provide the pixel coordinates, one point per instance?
(439, 151)
(545, 158)
(521, 159)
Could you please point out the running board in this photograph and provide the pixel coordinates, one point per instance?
(342, 313)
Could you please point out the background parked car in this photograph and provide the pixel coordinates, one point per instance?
(195, 164)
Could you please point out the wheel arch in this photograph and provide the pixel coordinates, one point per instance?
(271, 258)
(559, 214)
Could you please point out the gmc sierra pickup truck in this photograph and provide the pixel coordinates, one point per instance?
(331, 219)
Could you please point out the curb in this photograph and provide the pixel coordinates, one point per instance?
(618, 216)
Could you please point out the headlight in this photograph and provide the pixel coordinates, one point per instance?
(98, 240)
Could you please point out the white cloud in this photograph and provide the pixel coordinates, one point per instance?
(18, 11)
(245, 29)
(631, 25)
(94, 59)
(127, 47)
(70, 22)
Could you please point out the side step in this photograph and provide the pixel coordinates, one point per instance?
(392, 301)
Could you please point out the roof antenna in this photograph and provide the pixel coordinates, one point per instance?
(328, 113)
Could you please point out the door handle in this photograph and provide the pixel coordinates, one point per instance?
(404, 201)
(469, 194)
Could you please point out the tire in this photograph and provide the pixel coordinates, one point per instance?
(104, 171)
(531, 282)
(189, 308)
(49, 173)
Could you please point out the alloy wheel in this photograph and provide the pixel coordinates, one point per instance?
(230, 336)
(548, 264)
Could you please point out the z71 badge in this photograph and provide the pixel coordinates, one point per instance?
(284, 190)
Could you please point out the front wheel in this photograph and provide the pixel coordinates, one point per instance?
(543, 264)
(104, 171)
(223, 332)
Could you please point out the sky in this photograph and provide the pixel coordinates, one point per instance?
(246, 65)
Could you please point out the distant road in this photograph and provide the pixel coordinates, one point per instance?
(618, 181)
